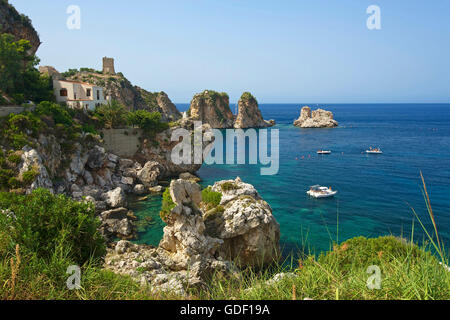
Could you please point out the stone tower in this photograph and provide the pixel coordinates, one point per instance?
(108, 66)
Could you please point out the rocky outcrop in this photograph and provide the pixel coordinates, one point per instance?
(132, 97)
(212, 108)
(186, 255)
(249, 115)
(197, 244)
(50, 72)
(18, 25)
(316, 119)
(168, 110)
(246, 225)
(32, 163)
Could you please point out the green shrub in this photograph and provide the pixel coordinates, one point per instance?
(167, 205)
(228, 186)
(211, 197)
(44, 224)
(14, 158)
(149, 122)
(29, 176)
(14, 183)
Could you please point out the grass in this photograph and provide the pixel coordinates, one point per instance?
(408, 272)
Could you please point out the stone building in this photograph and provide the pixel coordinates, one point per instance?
(79, 95)
(108, 66)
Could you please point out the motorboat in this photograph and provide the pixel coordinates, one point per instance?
(323, 152)
(321, 192)
(374, 151)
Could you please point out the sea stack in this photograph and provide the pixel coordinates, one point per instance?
(212, 108)
(249, 115)
(315, 119)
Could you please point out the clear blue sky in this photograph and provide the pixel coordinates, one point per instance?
(281, 51)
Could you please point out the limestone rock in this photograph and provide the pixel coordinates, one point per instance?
(149, 174)
(249, 115)
(189, 176)
(212, 108)
(31, 160)
(249, 230)
(115, 198)
(316, 119)
(139, 189)
(97, 157)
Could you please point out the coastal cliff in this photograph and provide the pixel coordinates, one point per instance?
(213, 108)
(315, 119)
(132, 97)
(249, 115)
(18, 25)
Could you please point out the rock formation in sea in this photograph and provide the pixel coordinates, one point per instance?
(213, 108)
(197, 243)
(18, 25)
(249, 115)
(316, 119)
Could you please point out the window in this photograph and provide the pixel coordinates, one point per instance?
(63, 93)
(88, 92)
(98, 94)
(74, 96)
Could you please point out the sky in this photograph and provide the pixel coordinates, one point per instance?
(282, 51)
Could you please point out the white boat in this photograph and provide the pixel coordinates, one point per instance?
(374, 151)
(321, 192)
(323, 152)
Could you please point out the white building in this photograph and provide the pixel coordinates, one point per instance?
(79, 95)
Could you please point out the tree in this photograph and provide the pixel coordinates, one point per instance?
(112, 115)
(149, 122)
(19, 78)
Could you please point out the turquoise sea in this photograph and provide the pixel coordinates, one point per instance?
(375, 191)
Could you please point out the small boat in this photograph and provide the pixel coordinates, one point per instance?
(323, 152)
(374, 151)
(321, 192)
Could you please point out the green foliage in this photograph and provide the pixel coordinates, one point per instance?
(29, 176)
(247, 96)
(14, 158)
(43, 223)
(211, 197)
(228, 186)
(19, 77)
(59, 114)
(69, 73)
(112, 115)
(149, 122)
(167, 205)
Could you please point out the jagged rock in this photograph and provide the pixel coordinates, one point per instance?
(316, 119)
(249, 115)
(127, 180)
(212, 108)
(249, 230)
(139, 189)
(157, 189)
(169, 111)
(97, 157)
(88, 177)
(77, 165)
(117, 223)
(149, 174)
(125, 164)
(31, 160)
(189, 176)
(115, 198)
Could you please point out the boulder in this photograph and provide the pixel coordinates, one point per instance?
(249, 231)
(149, 174)
(189, 176)
(115, 198)
(139, 189)
(96, 157)
(31, 160)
